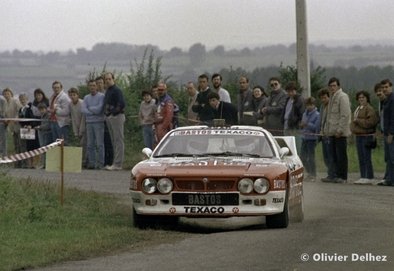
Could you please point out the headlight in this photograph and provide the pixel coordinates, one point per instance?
(149, 185)
(164, 185)
(261, 185)
(245, 186)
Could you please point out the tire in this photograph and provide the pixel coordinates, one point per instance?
(279, 220)
(297, 212)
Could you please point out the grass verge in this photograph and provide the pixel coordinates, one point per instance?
(35, 230)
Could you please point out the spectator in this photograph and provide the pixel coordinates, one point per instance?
(324, 97)
(244, 101)
(114, 105)
(223, 110)
(39, 97)
(146, 116)
(26, 112)
(310, 125)
(274, 107)
(379, 93)
(388, 131)
(44, 130)
(164, 113)
(93, 110)
(100, 84)
(192, 93)
(337, 127)
(78, 122)
(108, 150)
(364, 127)
(201, 106)
(259, 99)
(59, 109)
(292, 113)
(3, 129)
(12, 107)
(217, 87)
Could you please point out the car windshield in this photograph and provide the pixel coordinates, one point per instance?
(200, 143)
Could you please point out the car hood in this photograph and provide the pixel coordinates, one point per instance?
(210, 166)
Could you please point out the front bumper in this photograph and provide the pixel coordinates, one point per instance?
(249, 205)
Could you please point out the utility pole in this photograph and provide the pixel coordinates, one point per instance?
(303, 69)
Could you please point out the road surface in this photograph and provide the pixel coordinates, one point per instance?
(346, 227)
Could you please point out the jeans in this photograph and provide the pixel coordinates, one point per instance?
(338, 148)
(389, 158)
(108, 150)
(116, 130)
(95, 143)
(308, 156)
(364, 156)
(147, 134)
(3, 139)
(60, 132)
(327, 157)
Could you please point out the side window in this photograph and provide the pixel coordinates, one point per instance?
(282, 143)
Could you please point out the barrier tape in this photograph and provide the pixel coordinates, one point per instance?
(20, 119)
(25, 155)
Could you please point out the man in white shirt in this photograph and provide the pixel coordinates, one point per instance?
(217, 87)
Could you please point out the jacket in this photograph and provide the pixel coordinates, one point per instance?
(297, 110)
(311, 129)
(338, 115)
(61, 103)
(275, 106)
(364, 121)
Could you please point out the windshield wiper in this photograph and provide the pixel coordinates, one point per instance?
(175, 154)
(229, 153)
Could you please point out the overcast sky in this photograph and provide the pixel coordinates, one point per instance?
(69, 24)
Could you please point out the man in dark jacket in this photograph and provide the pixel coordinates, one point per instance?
(201, 106)
(223, 110)
(114, 104)
(274, 107)
(388, 131)
(292, 113)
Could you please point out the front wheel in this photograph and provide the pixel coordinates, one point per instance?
(279, 220)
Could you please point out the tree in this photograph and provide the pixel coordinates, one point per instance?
(219, 51)
(197, 54)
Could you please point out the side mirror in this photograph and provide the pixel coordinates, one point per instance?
(147, 152)
(283, 152)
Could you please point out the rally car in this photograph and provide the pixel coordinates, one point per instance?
(202, 171)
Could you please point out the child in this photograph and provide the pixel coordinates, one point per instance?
(146, 116)
(78, 122)
(44, 130)
(310, 125)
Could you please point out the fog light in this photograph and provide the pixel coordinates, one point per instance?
(260, 202)
(151, 202)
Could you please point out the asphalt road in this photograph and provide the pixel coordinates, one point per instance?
(346, 227)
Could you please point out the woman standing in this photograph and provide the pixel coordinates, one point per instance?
(363, 127)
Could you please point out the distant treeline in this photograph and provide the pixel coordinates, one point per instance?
(357, 55)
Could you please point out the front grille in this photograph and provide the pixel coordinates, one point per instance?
(199, 185)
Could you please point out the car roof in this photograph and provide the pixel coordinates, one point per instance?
(234, 127)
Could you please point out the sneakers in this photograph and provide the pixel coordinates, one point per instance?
(113, 167)
(339, 180)
(328, 180)
(383, 183)
(364, 181)
(333, 180)
(310, 178)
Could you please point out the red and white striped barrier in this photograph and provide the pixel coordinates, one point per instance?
(25, 155)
